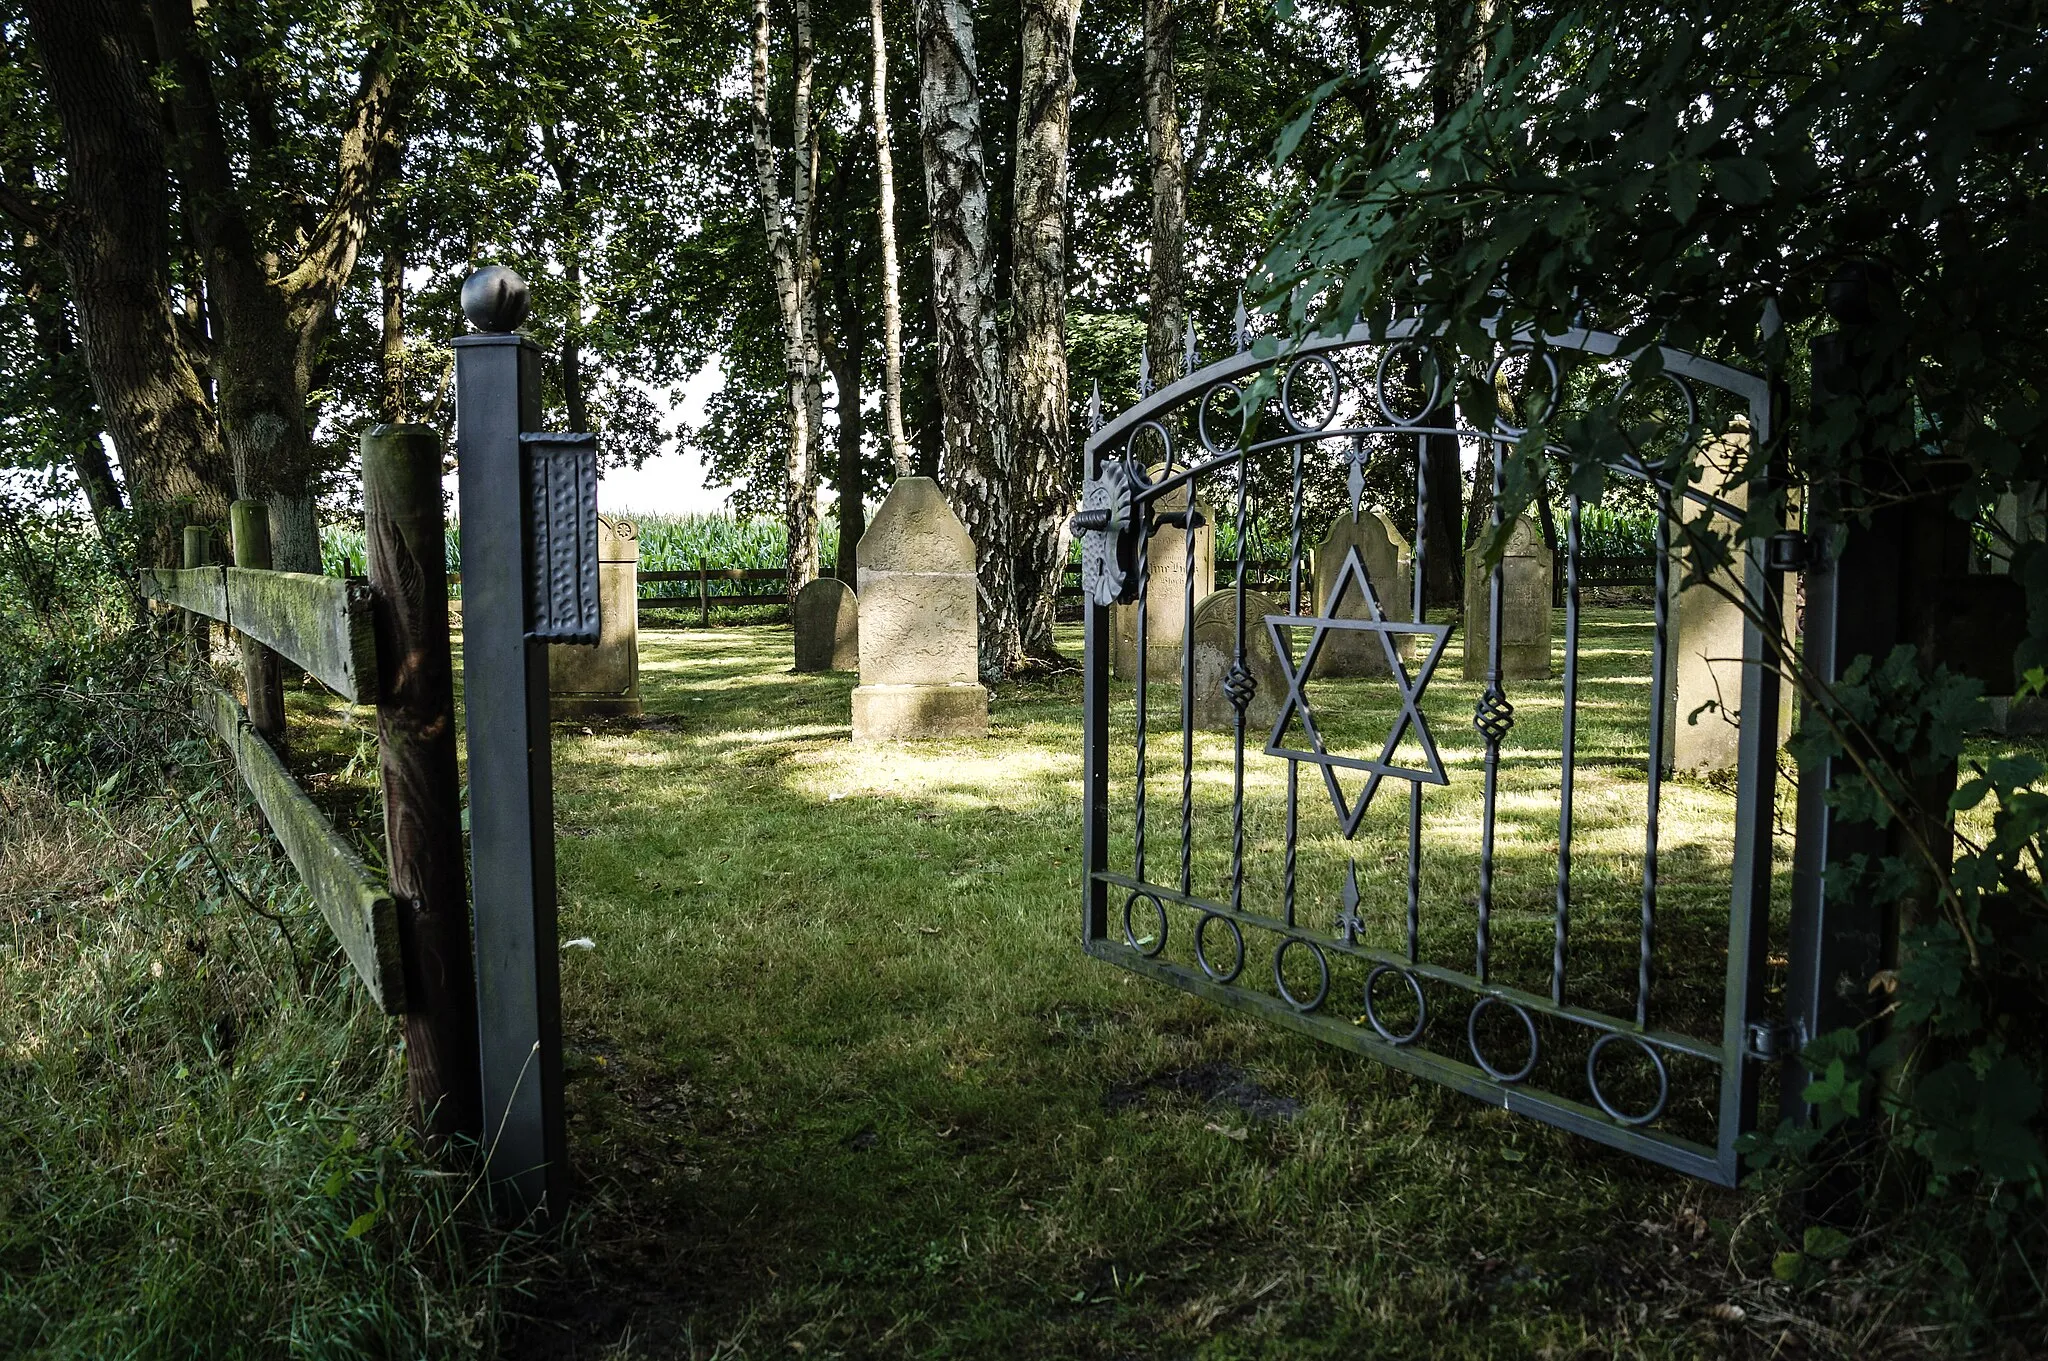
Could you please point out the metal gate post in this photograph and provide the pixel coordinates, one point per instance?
(505, 693)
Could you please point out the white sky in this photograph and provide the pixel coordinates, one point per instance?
(671, 483)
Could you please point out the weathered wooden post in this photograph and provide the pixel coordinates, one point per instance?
(704, 593)
(406, 530)
(529, 577)
(198, 552)
(262, 678)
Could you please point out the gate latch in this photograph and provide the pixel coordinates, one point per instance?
(1108, 524)
(1788, 551)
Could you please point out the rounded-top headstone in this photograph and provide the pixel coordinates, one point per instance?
(495, 299)
(825, 618)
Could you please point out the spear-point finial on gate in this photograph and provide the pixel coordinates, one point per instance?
(1242, 337)
(1145, 371)
(495, 299)
(1349, 923)
(1187, 351)
(1095, 408)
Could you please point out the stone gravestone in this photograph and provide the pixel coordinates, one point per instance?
(1704, 647)
(918, 631)
(1525, 617)
(604, 681)
(827, 626)
(1347, 652)
(1165, 598)
(1216, 650)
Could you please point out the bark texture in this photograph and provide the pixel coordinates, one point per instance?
(1044, 453)
(975, 465)
(1166, 308)
(112, 231)
(789, 256)
(892, 304)
(270, 319)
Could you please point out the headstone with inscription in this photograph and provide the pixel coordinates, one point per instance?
(1216, 652)
(604, 681)
(1347, 652)
(1166, 598)
(919, 666)
(826, 622)
(1525, 618)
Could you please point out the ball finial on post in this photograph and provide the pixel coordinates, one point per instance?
(495, 299)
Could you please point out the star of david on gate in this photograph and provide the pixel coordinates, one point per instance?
(1353, 574)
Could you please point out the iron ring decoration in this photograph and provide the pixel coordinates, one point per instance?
(1322, 991)
(1421, 1005)
(1656, 1061)
(1436, 382)
(1202, 434)
(1550, 367)
(1472, 1039)
(1165, 465)
(1202, 953)
(1131, 935)
(1692, 402)
(1287, 413)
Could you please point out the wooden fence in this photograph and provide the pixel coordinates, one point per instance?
(379, 641)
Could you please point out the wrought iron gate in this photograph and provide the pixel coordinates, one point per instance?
(1600, 954)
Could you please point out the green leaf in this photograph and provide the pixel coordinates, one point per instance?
(1788, 1266)
(1825, 1244)
(362, 1223)
(1685, 189)
(1742, 179)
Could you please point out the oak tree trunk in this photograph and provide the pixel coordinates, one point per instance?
(1044, 454)
(975, 465)
(113, 235)
(1166, 307)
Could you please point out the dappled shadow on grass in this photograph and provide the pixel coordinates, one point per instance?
(841, 1079)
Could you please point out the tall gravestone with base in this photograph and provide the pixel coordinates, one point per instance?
(1347, 652)
(1525, 620)
(1216, 652)
(918, 631)
(1704, 646)
(1166, 592)
(604, 681)
(825, 618)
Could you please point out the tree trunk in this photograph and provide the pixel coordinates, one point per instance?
(391, 402)
(115, 245)
(1166, 308)
(845, 358)
(975, 466)
(788, 254)
(270, 327)
(892, 305)
(1044, 496)
(68, 390)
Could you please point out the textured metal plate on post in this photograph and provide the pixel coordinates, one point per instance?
(561, 584)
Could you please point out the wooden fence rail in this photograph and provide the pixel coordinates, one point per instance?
(407, 937)
(320, 624)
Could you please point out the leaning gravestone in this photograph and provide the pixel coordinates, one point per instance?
(1165, 593)
(827, 625)
(1347, 652)
(1215, 653)
(1524, 606)
(918, 632)
(604, 681)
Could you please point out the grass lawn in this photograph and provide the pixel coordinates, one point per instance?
(841, 1082)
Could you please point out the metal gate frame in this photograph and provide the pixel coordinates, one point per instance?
(1115, 551)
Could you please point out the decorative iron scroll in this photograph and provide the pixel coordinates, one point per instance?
(1459, 1021)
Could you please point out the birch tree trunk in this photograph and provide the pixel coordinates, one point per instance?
(391, 399)
(792, 272)
(1166, 309)
(975, 466)
(892, 305)
(1044, 458)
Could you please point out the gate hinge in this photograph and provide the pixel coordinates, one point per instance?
(1770, 1041)
(1788, 551)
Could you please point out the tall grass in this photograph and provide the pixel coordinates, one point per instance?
(668, 543)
